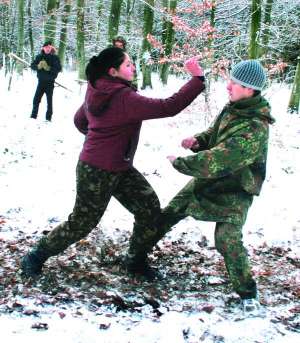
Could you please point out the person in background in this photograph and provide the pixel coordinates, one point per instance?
(119, 42)
(47, 65)
(111, 118)
(228, 166)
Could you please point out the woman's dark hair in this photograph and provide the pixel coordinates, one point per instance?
(99, 66)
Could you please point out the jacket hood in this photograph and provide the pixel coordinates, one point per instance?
(98, 97)
(256, 106)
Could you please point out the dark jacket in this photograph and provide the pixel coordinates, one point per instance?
(53, 62)
(111, 117)
(229, 166)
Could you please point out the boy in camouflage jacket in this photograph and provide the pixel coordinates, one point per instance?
(228, 169)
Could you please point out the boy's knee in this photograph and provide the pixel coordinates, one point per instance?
(227, 236)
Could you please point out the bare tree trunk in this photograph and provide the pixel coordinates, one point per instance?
(114, 19)
(146, 47)
(267, 24)
(169, 41)
(212, 23)
(255, 29)
(20, 48)
(63, 32)
(99, 20)
(30, 34)
(165, 5)
(295, 95)
(7, 35)
(4, 33)
(80, 39)
(129, 10)
(50, 25)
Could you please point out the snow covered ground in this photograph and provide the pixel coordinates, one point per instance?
(83, 296)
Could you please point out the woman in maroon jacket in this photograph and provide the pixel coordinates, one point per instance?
(111, 118)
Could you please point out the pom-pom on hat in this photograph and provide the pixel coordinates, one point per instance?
(249, 73)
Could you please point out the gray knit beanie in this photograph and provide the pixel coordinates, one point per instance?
(249, 73)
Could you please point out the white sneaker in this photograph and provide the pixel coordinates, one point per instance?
(251, 307)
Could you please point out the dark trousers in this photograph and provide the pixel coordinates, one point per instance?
(43, 87)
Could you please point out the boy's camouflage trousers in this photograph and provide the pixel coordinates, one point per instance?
(228, 242)
(94, 189)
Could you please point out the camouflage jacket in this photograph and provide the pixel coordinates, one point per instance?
(233, 151)
(229, 165)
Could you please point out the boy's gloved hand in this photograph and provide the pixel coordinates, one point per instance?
(171, 158)
(189, 143)
(43, 65)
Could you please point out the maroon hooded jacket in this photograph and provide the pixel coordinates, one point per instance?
(111, 117)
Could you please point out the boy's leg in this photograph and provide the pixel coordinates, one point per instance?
(40, 90)
(49, 94)
(228, 241)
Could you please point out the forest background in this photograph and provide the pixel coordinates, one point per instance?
(161, 34)
(84, 296)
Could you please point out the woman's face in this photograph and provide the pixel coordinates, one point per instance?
(125, 71)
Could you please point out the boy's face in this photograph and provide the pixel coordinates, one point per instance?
(237, 92)
(47, 49)
(119, 44)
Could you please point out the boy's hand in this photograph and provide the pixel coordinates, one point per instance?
(171, 158)
(43, 65)
(190, 142)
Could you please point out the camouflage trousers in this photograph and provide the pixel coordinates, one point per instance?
(95, 188)
(228, 242)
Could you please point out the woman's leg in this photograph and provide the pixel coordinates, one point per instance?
(228, 240)
(136, 194)
(94, 189)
